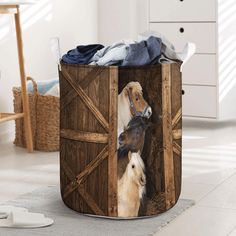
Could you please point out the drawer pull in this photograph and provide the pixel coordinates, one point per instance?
(181, 0)
(181, 30)
(183, 92)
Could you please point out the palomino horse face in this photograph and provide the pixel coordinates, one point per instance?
(138, 105)
(136, 168)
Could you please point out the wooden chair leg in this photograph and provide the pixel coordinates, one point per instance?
(26, 111)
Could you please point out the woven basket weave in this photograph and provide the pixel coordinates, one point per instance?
(44, 112)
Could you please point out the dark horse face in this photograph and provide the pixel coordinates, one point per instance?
(132, 139)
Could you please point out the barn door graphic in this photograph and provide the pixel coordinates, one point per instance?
(90, 167)
(89, 139)
(172, 133)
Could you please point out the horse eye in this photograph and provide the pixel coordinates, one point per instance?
(133, 166)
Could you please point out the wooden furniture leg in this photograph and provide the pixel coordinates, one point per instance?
(26, 111)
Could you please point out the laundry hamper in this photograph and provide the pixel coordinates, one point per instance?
(117, 161)
(44, 113)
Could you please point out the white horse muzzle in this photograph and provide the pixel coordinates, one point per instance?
(148, 112)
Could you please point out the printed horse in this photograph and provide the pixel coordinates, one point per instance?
(130, 104)
(133, 137)
(131, 187)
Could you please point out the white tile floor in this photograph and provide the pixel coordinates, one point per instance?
(209, 177)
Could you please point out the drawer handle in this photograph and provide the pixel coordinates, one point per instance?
(181, 30)
(181, 0)
(183, 92)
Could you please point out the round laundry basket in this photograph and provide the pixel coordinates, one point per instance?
(120, 139)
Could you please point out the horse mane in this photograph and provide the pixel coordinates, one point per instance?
(135, 86)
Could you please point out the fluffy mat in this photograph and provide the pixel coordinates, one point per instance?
(69, 223)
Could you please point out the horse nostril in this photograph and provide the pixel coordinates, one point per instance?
(149, 112)
(143, 180)
(121, 142)
(121, 137)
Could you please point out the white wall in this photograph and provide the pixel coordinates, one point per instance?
(121, 19)
(74, 22)
(227, 58)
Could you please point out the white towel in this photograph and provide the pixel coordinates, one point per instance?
(54, 91)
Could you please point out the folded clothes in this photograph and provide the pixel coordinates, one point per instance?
(54, 91)
(81, 54)
(43, 86)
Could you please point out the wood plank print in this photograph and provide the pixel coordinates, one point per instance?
(116, 121)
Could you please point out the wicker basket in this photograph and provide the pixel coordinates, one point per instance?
(44, 111)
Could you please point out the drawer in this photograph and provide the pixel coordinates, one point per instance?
(200, 70)
(200, 101)
(182, 10)
(202, 34)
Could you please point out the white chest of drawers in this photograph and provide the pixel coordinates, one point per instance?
(209, 79)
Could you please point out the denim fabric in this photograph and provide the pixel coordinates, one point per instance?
(81, 54)
(167, 49)
(143, 53)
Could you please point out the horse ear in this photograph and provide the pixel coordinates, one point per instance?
(130, 90)
(127, 90)
(129, 155)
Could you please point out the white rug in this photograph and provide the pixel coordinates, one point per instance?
(69, 223)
